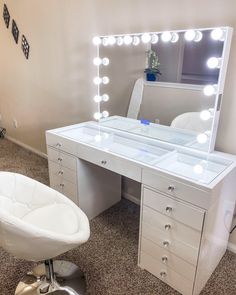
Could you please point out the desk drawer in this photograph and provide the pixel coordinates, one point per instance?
(65, 187)
(184, 213)
(174, 188)
(61, 158)
(110, 162)
(168, 259)
(166, 274)
(63, 172)
(61, 143)
(176, 231)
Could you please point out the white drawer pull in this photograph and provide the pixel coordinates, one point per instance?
(166, 244)
(169, 209)
(62, 185)
(167, 227)
(59, 159)
(103, 162)
(171, 188)
(163, 274)
(60, 172)
(164, 259)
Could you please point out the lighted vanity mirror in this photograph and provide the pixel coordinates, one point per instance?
(163, 85)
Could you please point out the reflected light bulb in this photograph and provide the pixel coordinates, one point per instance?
(202, 138)
(97, 98)
(166, 36)
(217, 34)
(190, 35)
(98, 138)
(111, 40)
(105, 61)
(97, 40)
(97, 116)
(105, 114)
(213, 62)
(205, 115)
(146, 38)
(105, 80)
(97, 80)
(209, 90)
(136, 40)
(119, 41)
(128, 40)
(175, 38)
(198, 36)
(154, 39)
(198, 169)
(105, 97)
(105, 41)
(97, 61)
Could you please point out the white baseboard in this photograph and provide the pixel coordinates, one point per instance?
(232, 247)
(27, 147)
(131, 198)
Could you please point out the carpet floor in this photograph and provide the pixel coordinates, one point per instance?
(109, 258)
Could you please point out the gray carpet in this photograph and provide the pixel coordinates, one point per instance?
(109, 259)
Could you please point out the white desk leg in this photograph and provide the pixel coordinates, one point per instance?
(98, 188)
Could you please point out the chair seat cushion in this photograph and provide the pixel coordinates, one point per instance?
(58, 218)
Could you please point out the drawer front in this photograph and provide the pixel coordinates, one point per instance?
(61, 158)
(174, 229)
(168, 259)
(61, 143)
(166, 274)
(65, 187)
(63, 172)
(174, 188)
(184, 213)
(110, 162)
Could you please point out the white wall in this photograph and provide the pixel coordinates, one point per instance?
(53, 88)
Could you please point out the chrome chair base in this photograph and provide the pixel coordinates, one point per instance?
(56, 278)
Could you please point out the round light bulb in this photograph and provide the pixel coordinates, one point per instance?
(190, 35)
(198, 169)
(97, 98)
(119, 41)
(205, 115)
(97, 40)
(198, 36)
(105, 61)
(97, 80)
(105, 80)
(217, 34)
(105, 42)
(154, 39)
(105, 97)
(202, 138)
(98, 137)
(105, 114)
(213, 62)
(97, 61)
(175, 37)
(97, 116)
(111, 40)
(166, 36)
(136, 40)
(128, 39)
(209, 90)
(146, 38)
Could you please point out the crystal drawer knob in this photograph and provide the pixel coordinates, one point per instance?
(62, 185)
(59, 159)
(167, 227)
(58, 145)
(171, 188)
(103, 162)
(166, 243)
(163, 274)
(169, 209)
(164, 259)
(60, 172)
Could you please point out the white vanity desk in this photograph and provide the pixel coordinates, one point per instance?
(187, 199)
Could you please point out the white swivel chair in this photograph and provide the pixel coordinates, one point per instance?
(38, 223)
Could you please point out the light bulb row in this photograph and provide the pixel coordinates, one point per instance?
(217, 34)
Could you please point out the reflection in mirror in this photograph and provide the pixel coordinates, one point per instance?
(165, 85)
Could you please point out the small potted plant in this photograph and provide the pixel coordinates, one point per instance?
(152, 66)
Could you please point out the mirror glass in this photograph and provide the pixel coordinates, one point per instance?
(163, 85)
